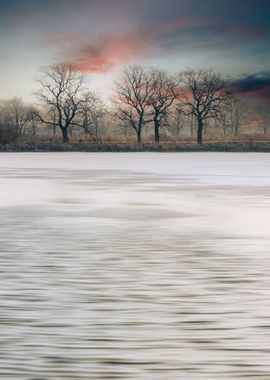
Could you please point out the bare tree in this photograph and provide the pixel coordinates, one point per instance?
(225, 120)
(132, 98)
(17, 113)
(178, 120)
(263, 116)
(92, 112)
(61, 88)
(230, 115)
(8, 132)
(164, 90)
(33, 119)
(235, 110)
(203, 94)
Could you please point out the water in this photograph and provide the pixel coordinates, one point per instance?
(134, 266)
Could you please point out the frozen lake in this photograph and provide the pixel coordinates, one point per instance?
(134, 266)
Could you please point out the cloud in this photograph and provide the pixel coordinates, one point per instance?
(257, 85)
(109, 50)
(106, 52)
(249, 31)
(180, 22)
(101, 43)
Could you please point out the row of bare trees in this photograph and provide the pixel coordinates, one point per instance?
(142, 98)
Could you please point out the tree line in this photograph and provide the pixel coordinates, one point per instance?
(143, 98)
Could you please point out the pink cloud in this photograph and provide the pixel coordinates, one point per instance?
(101, 54)
(109, 51)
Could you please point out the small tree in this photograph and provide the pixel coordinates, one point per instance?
(132, 98)
(179, 120)
(235, 110)
(61, 89)
(230, 115)
(204, 93)
(225, 118)
(17, 114)
(91, 113)
(33, 120)
(263, 116)
(8, 132)
(224, 121)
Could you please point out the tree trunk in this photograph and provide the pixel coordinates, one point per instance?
(139, 130)
(64, 134)
(199, 131)
(157, 128)
(139, 138)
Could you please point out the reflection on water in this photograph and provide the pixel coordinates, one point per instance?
(140, 266)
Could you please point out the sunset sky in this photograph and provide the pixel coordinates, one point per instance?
(100, 36)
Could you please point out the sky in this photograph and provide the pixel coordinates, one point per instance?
(101, 36)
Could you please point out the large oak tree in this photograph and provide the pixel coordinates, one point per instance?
(61, 90)
(132, 98)
(204, 93)
(164, 90)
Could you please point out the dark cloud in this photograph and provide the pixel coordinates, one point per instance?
(252, 14)
(257, 85)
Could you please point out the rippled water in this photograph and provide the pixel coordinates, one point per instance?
(134, 266)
